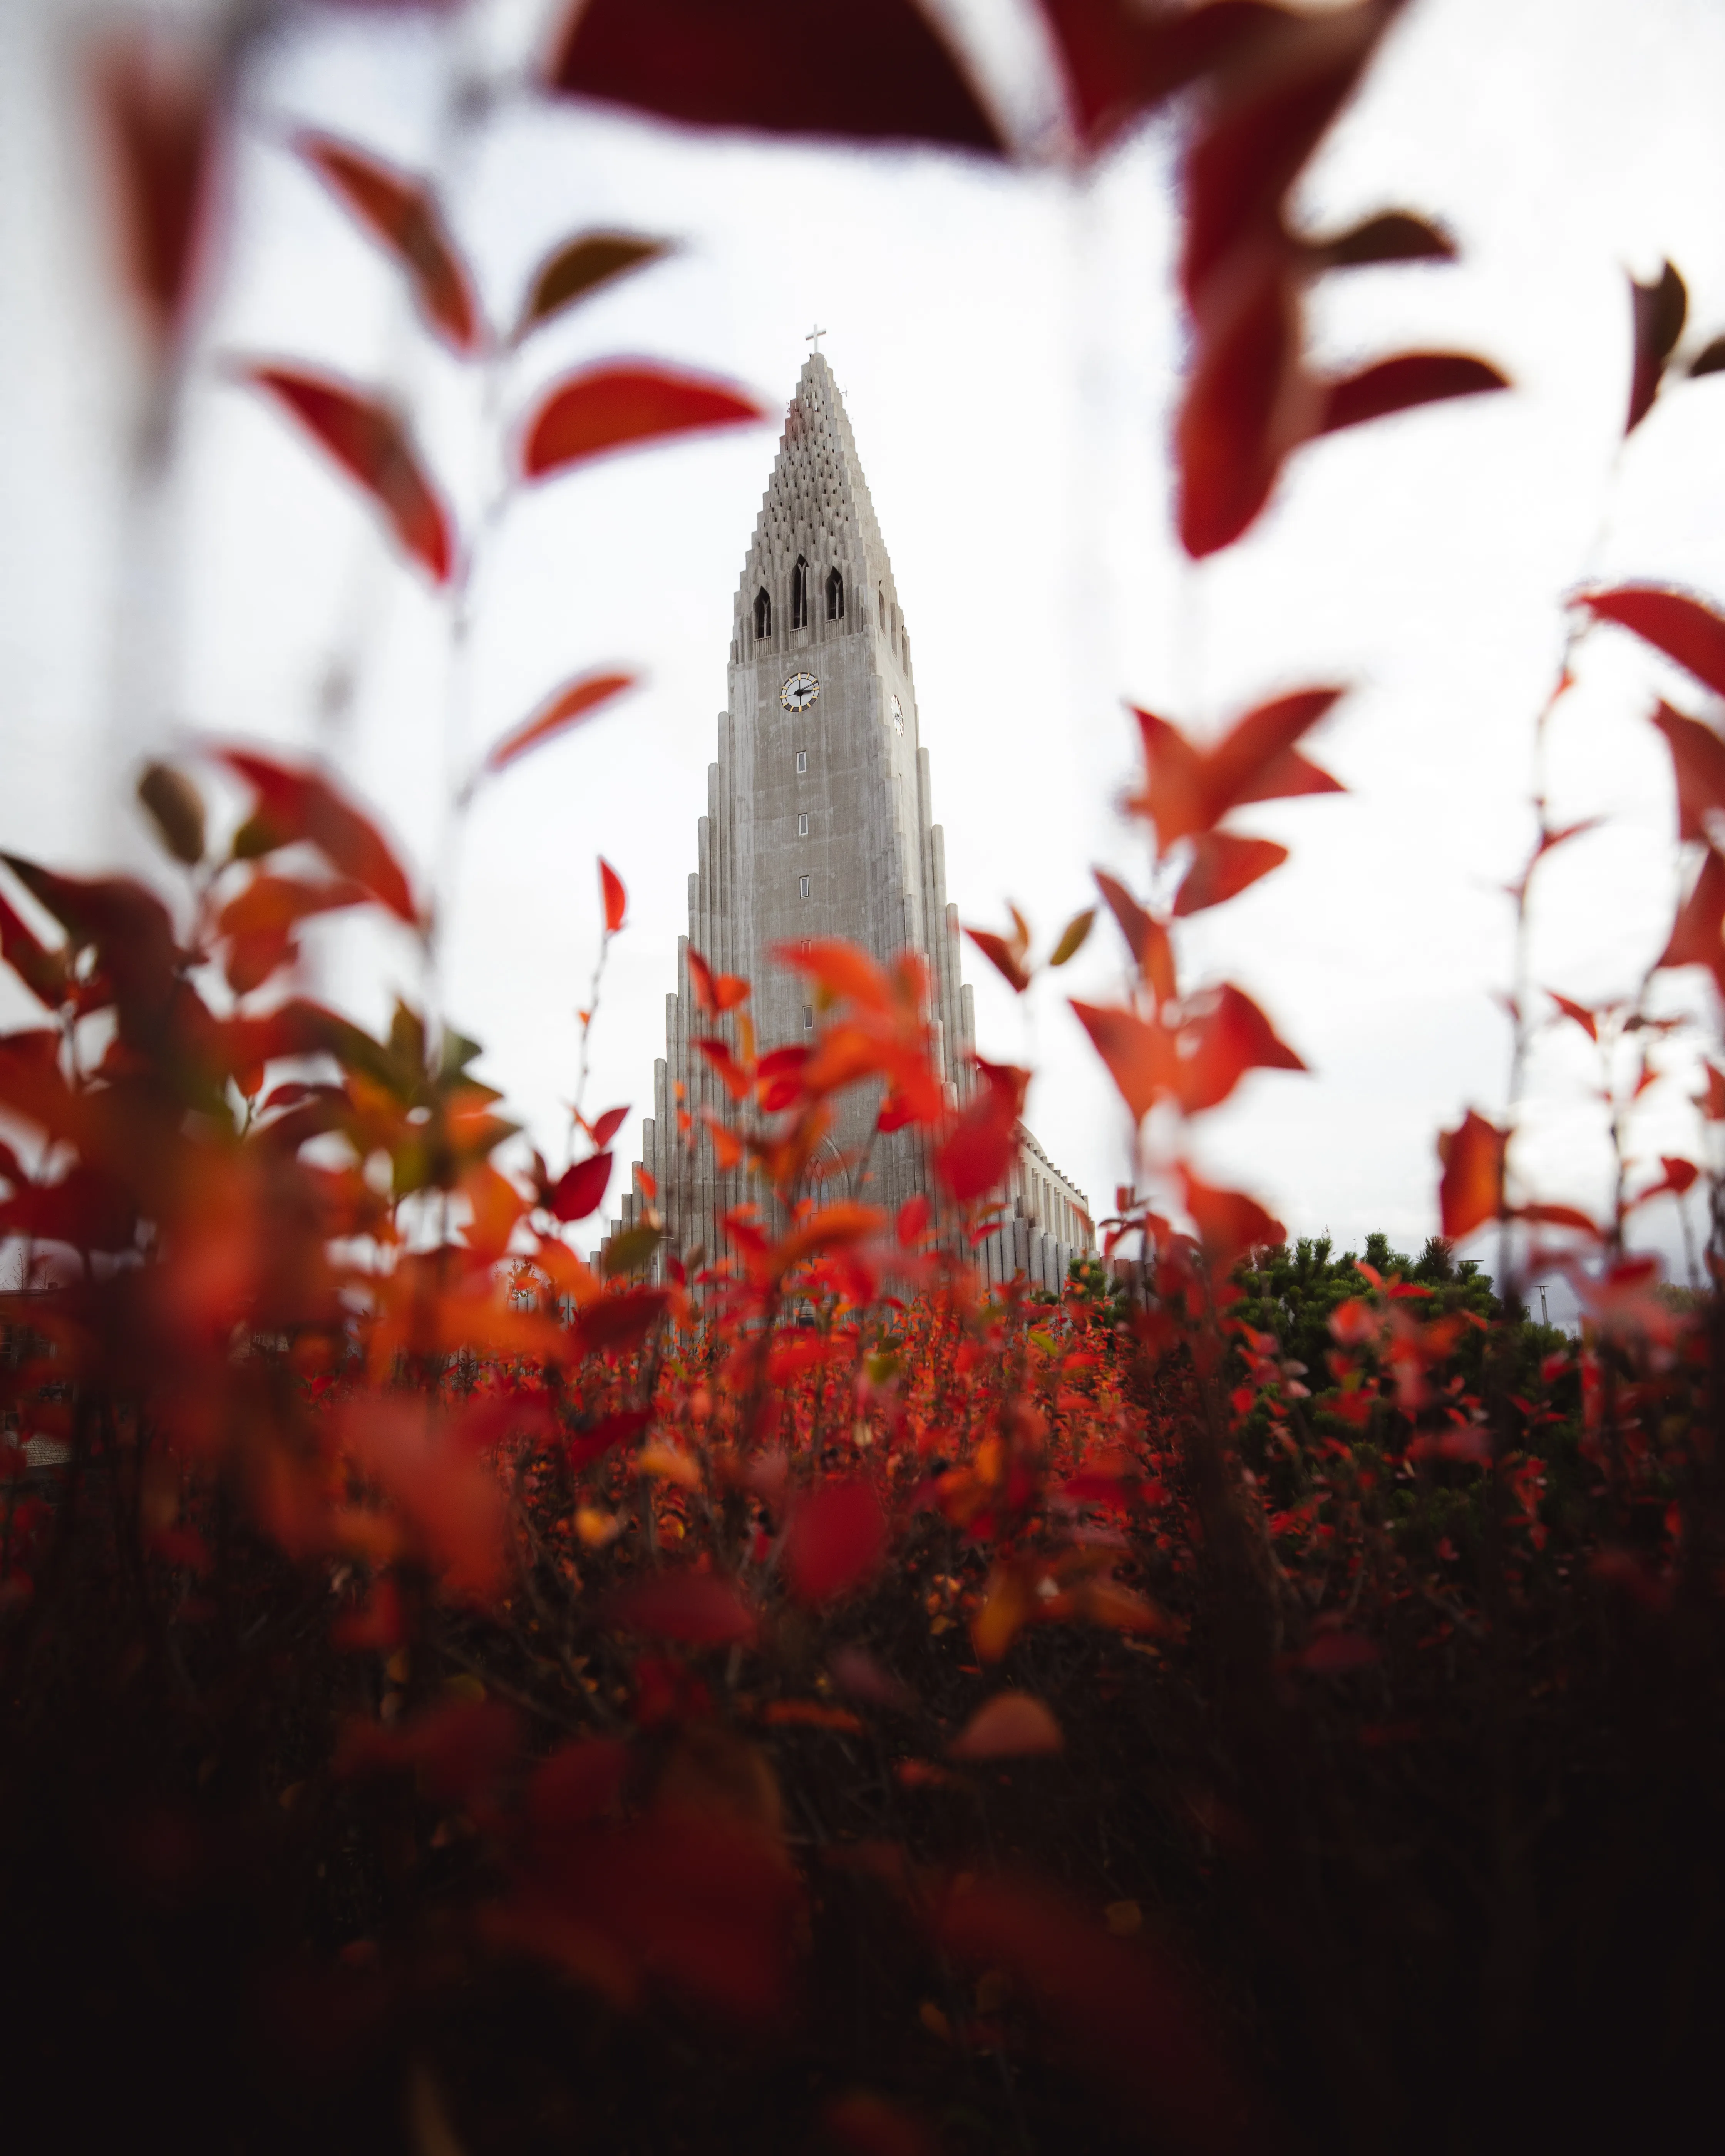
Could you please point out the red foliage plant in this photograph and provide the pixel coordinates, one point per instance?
(416, 1635)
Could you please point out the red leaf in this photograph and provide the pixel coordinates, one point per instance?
(1230, 1036)
(32, 1084)
(1657, 314)
(732, 1074)
(1557, 1216)
(856, 1672)
(1146, 938)
(1696, 933)
(845, 971)
(1680, 627)
(1679, 1177)
(619, 1320)
(616, 898)
(727, 1147)
(1249, 400)
(575, 701)
(1471, 1191)
(1139, 1054)
(87, 1209)
(584, 1447)
(1287, 775)
(127, 928)
(697, 1608)
(1223, 865)
(1262, 129)
(975, 1157)
(404, 215)
(1011, 1725)
(607, 1127)
(1230, 1223)
(1396, 385)
(1698, 760)
(835, 1541)
(715, 993)
(156, 94)
(42, 971)
(613, 407)
(297, 805)
(371, 443)
(581, 1189)
(1188, 790)
(454, 1501)
(912, 1221)
(1246, 407)
(1007, 961)
(1121, 58)
(1393, 236)
(1582, 1015)
(777, 66)
(274, 903)
(832, 1228)
(579, 267)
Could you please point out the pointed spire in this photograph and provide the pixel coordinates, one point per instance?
(817, 504)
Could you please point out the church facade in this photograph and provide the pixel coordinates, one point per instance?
(819, 824)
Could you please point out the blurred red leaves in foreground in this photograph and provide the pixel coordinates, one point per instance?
(581, 1190)
(1673, 622)
(402, 213)
(837, 1538)
(564, 708)
(1011, 1725)
(295, 804)
(371, 443)
(1280, 80)
(157, 100)
(1195, 1062)
(1658, 312)
(615, 897)
(1471, 1191)
(1188, 790)
(580, 267)
(893, 79)
(615, 408)
(456, 1677)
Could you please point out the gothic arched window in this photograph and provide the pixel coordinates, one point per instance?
(799, 594)
(835, 596)
(763, 613)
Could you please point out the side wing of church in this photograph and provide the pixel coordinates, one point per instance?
(819, 824)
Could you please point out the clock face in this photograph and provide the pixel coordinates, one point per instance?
(799, 692)
(898, 716)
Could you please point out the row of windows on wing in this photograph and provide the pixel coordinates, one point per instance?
(801, 580)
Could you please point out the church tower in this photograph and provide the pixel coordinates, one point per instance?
(819, 824)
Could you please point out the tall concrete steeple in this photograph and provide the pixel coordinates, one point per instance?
(819, 824)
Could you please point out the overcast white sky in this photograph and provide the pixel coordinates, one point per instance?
(1006, 342)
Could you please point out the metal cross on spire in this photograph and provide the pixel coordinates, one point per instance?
(813, 339)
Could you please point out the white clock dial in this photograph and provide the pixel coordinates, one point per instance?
(898, 715)
(799, 692)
